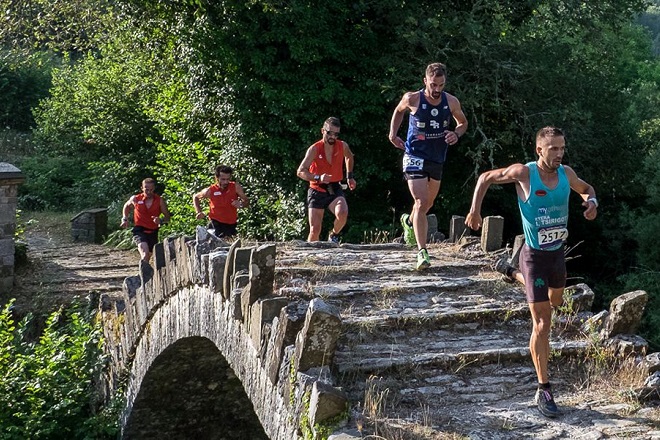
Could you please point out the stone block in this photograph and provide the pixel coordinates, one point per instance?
(6, 246)
(235, 304)
(432, 222)
(262, 270)
(229, 270)
(625, 314)
(204, 268)
(651, 363)
(456, 228)
(283, 334)
(317, 341)
(326, 402)
(90, 225)
(581, 296)
(217, 263)
(622, 346)
(6, 285)
(7, 230)
(171, 263)
(159, 256)
(518, 243)
(242, 259)
(183, 257)
(262, 311)
(491, 233)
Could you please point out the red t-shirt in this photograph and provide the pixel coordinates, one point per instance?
(143, 216)
(322, 166)
(220, 203)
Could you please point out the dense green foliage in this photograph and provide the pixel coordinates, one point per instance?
(171, 89)
(46, 386)
(24, 80)
(121, 90)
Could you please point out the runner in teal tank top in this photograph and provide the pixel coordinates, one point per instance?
(543, 190)
(545, 211)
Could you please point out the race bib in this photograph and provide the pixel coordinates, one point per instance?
(549, 237)
(411, 163)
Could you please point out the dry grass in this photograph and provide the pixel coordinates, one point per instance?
(375, 423)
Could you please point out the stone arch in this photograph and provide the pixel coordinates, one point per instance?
(190, 391)
(223, 298)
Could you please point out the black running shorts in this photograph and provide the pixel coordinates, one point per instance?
(321, 200)
(142, 235)
(541, 270)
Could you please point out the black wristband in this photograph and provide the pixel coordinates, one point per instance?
(349, 175)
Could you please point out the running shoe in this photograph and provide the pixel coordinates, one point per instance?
(546, 403)
(408, 231)
(334, 238)
(423, 260)
(502, 266)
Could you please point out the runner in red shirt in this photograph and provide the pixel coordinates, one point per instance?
(147, 209)
(322, 167)
(225, 198)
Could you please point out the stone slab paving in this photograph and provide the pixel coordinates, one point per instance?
(447, 349)
(61, 271)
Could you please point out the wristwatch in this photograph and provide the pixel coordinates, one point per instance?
(593, 200)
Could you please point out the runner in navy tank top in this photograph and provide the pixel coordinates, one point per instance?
(431, 112)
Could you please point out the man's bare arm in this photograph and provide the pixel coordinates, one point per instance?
(516, 173)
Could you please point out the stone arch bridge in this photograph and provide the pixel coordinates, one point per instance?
(202, 348)
(314, 341)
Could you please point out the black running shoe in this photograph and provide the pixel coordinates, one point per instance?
(502, 266)
(334, 238)
(546, 403)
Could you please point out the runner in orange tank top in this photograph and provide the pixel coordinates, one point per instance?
(225, 198)
(147, 210)
(322, 167)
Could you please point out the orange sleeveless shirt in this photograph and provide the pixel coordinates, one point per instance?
(143, 216)
(322, 166)
(221, 209)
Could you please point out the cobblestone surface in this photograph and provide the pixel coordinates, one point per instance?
(444, 353)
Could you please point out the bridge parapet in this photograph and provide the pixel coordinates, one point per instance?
(279, 348)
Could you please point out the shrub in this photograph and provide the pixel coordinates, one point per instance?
(46, 385)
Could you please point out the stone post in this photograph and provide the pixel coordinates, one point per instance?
(10, 178)
(491, 233)
(456, 228)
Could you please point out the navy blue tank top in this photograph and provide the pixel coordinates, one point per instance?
(426, 130)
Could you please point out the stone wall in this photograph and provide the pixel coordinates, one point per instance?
(10, 178)
(90, 225)
(279, 349)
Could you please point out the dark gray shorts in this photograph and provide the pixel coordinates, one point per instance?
(541, 270)
(223, 229)
(142, 235)
(321, 200)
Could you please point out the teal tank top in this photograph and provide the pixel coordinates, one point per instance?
(545, 212)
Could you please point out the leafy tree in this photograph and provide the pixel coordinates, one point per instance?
(62, 26)
(46, 386)
(24, 80)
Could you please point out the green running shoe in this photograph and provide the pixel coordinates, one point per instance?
(423, 260)
(408, 232)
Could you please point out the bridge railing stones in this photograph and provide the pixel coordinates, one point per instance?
(278, 347)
